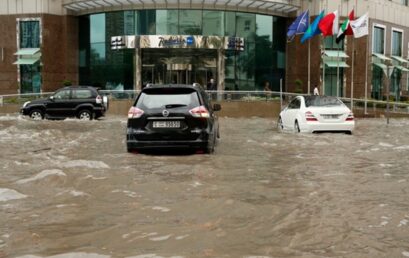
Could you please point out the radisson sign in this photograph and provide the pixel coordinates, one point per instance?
(177, 41)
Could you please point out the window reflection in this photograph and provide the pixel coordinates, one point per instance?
(213, 23)
(190, 22)
(167, 22)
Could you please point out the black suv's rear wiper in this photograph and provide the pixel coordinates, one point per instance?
(175, 105)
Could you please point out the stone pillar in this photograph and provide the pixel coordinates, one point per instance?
(138, 69)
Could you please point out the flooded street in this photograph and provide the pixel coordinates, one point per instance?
(70, 189)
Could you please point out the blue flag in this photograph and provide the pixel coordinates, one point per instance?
(313, 28)
(299, 26)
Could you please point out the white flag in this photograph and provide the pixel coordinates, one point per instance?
(360, 26)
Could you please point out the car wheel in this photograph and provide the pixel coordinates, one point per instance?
(280, 125)
(296, 127)
(85, 114)
(36, 114)
(210, 146)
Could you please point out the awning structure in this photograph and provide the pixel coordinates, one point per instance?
(332, 63)
(335, 53)
(283, 7)
(26, 61)
(27, 52)
(380, 65)
(401, 68)
(380, 56)
(399, 59)
(27, 56)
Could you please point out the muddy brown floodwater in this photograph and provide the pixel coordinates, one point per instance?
(70, 189)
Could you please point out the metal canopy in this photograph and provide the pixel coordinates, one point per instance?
(282, 7)
(380, 56)
(335, 53)
(26, 61)
(399, 59)
(341, 64)
(403, 69)
(27, 51)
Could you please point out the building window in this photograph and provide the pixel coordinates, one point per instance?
(30, 75)
(331, 44)
(167, 22)
(405, 2)
(213, 23)
(379, 40)
(190, 22)
(396, 43)
(29, 34)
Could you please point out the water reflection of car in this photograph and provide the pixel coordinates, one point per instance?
(83, 102)
(172, 116)
(316, 114)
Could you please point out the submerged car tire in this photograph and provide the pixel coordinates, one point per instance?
(36, 114)
(84, 114)
(296, 127)
(210, 146)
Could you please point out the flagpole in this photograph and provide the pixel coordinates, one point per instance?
(309, 66)
(352, 74)
(323, 64)
(338, 61)
(338, 71)
(353, 62)
(366, 70)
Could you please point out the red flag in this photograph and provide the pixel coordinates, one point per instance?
(349, 29)
(329, 25)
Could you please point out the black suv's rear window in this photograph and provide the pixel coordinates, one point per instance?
(168, 98)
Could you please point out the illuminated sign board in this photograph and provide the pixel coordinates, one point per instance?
(177, 41)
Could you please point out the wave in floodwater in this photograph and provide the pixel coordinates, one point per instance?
(69, 189)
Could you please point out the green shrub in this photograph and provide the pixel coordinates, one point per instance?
(66, 83)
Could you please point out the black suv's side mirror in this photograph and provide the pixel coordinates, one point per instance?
(217, 107)
(51, 98)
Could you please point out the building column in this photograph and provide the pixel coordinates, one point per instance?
(138, 69)
(220, 69)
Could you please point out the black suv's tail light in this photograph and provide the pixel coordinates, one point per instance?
(135, 112)
(200, 111)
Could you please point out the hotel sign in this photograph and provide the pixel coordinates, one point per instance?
(123, 42)
(177, 41)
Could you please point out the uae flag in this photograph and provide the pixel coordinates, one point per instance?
(345, 28)
(329, 24)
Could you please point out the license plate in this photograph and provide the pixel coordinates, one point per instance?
(166, 124)
(330, 116)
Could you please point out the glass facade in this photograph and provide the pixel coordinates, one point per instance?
(332, 86)
(30, 75)
(263, 58)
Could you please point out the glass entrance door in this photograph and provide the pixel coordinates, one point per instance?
(181, 66)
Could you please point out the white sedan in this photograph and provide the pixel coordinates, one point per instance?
(315, 114)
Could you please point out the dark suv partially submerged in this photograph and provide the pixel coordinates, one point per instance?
(83, 102)
(172, 116)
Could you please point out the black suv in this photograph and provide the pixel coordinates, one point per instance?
(83, 102)
(172, 116)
